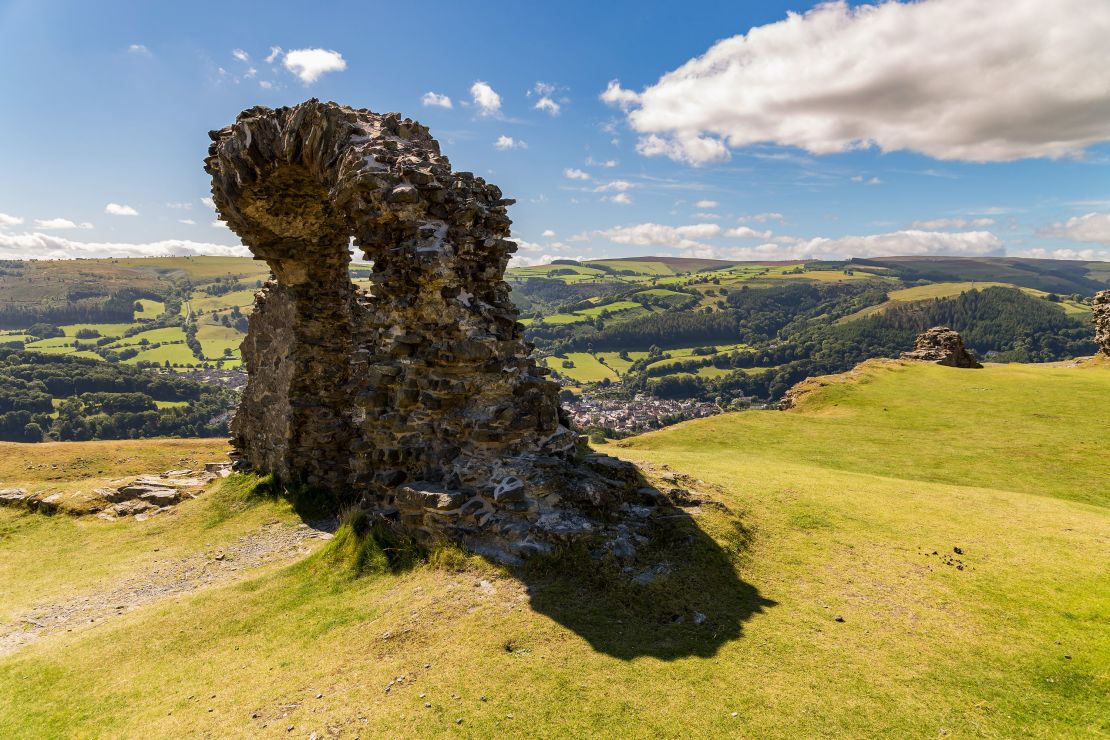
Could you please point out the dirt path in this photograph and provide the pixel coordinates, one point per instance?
(272, 543)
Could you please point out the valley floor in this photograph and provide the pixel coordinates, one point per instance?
(913, 551)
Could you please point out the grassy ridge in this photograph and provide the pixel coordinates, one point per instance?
(837, 509)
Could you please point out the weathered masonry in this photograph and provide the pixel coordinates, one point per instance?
(417, 398)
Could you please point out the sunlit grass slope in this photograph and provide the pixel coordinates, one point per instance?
(834, 601)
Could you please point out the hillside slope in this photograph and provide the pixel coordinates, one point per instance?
(821, 592)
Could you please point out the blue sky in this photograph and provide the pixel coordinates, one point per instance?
(944, 127)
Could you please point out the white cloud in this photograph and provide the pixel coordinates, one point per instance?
(275, 52)
(623, 199)
(241, 55)
(208, 202)
(266, 84)
(619, 186)
(218, 225)
(575, 174)
(180, 205)
(504, 143)
(139, 49)
(310, 64)
(47, 246)
(1087, 255)
(937, 224)
(952, 79)
(186, 221)
(488, 101)
(658, 235)
(910, 242)
(603, 163)
(761, 218)
(49, 224)
(436, 99)
(616, 95)
(1092, 227)
(746, 232)
(548, 233)
(549, 105)
(684, 147)
(704, 204)
(6, 220)
(119, 209)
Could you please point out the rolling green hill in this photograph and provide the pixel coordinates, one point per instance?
(913, 551)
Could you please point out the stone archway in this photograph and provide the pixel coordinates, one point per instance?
(419, 399)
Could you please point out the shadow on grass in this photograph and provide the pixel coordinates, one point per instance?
(683, 596)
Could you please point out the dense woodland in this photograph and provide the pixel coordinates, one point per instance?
(47, 397)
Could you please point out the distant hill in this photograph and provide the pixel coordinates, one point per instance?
(1051, 276)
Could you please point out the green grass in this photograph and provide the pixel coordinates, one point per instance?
(836, 508)
(175, 354)
(149, 309)
(106, 330)
(215, 338)
(952, 289)
(586, 368)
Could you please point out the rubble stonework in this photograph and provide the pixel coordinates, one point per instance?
(417, 398)
(1101, 306)
(942, 346)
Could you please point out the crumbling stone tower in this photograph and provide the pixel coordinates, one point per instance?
(418, 397)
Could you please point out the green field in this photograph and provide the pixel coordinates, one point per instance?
(948, 290)
(835, 601)
(586, 368)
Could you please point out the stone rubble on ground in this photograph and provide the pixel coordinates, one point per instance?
(140, 497)
(419, 399)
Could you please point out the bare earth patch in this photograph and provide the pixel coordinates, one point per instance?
(272, 543)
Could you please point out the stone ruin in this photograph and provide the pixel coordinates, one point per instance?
(416, 399)
(1101, 306)
(942, 346)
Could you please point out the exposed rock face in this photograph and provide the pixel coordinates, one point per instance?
(1101, 305)
(418, 398)
(942, 346)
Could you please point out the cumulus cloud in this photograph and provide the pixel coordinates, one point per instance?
(49, 224)
(241, 55)
(746, 232)
(1087, 255)
(548, 105)
(487, 100)
(6, 220)
(907, 243)
(548, 233)
(310, 64)
(266, 84)
(658, 235)
(952, 79)
(275, 52)
(120, 209)
(208, 202)
(937, 224)
(1092, 227)
(504, 143)
(684, 147)
(616, 95)
(704, 204)
(601, 163)
(48, 246)
(436, 99)
(621, 199)
(575, 174)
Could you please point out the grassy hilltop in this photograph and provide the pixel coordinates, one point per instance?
(820, 593)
